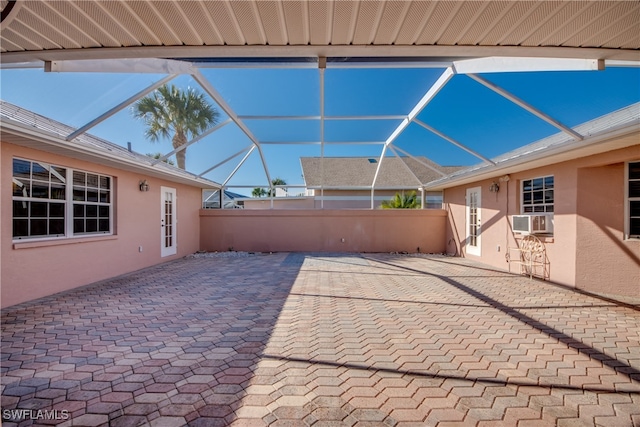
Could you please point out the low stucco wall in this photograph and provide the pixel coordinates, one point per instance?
(323, 230)
(33, 269)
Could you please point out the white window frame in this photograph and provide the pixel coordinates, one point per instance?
(627, 203)
(68, 205)
(522, 203)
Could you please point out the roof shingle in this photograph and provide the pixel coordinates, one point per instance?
(395, 172)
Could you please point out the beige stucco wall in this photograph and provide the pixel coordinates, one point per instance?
(587, 249)
(35, 269)
(323, 230)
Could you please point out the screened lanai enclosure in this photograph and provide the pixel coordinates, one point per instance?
(307, 313)
(436, 86)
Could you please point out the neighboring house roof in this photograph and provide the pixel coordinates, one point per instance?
(615, 130)
(211, 199)
(359, 172)
(23, 127)
(228, 195)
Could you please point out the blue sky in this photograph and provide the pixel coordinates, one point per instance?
(463, 110)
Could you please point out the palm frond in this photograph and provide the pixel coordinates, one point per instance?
(402, 201)
(170, 110)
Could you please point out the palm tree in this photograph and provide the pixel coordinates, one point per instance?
(274, 182)
(402, 201)
(261, 192)
(258, 192)
(170, 110)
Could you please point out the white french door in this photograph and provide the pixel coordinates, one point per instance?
(168, 221)
(474, 232)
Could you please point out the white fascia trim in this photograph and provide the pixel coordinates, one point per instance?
(616, 63)
(132, 65)
(436, 53)
(497, 64)
(22, 65)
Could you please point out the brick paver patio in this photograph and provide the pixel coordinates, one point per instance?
(322, 340)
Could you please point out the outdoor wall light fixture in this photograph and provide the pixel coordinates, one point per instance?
(494, 187)
(144, 185)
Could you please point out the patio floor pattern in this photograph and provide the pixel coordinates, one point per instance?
(321, 340)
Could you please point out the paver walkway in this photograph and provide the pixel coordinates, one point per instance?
(340, 340)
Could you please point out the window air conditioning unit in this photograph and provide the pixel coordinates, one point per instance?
(533, 224)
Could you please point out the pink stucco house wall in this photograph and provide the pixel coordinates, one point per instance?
(590, 247)
(36, 266)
